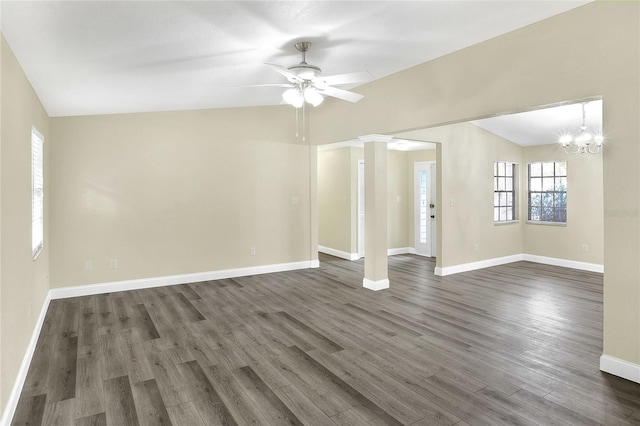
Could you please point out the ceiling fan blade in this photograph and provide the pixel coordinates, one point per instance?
(265, 85)
(345, 95)
(284, 71)
(347, 78)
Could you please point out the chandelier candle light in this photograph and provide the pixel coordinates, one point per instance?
(584, 142)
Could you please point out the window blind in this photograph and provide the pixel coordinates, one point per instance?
(37, 192)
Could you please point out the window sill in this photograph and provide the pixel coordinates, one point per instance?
(532, 222)
(37, 252)
(506, 222)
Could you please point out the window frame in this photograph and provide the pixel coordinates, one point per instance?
(552, 194)
(37, 193)
(508, 193)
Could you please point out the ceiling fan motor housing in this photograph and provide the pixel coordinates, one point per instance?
(305, 71)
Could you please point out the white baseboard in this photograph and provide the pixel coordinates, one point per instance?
(375, 285)
(465, 267)
(401, 250)
(621, 368)
(584, 266)
(338, 253)
(14, 396)
(354, 256)
(87, 290)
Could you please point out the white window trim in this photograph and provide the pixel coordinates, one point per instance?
(514, 207)
(542, 222)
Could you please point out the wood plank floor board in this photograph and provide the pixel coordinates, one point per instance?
(58, 413)
(267, 401)
(106, 317)
(516, 344)
(519, 408)
(30, 410)
(587, 410)
(150, 406)
(492, 409)
(337, 386)
(208, 402)
(241, 407)
(111, 357)
(484, 370)
(171, 383)
(351, 368)
(303, 408)
(144, 323)
(88, 321)
(89, 398)
(121, 409)
(556, 410)
(123, 315)
(62, 372)
(350, 418)
(330, 403)
(185, 414)
(99, 419)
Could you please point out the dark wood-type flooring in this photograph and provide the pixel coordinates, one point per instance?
(517, 344)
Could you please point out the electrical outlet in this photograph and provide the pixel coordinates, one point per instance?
(88, 265)
(476, 247)
(253, 251)
(585, 248)
(452, 202)
(294, 200)
(113, 263)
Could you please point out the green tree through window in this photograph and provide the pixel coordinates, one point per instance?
(547, 192)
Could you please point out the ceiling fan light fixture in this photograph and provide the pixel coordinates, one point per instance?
(312, 96)
(293, 97)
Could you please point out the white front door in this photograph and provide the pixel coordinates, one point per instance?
(424, 213)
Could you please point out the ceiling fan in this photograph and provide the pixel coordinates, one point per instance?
(306, 83)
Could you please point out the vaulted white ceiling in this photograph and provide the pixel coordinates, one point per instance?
(99, 57)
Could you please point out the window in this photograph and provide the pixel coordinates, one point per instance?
(37, 193)
(504, 191)
(548, 192)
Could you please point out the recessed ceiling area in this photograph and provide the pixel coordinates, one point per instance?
(102, 57)
(545, 125)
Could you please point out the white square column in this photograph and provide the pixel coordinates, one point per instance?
(376, 270)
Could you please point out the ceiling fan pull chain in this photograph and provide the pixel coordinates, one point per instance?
(297, 122)
(304, 113)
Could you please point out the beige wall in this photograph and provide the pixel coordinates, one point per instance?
(175, 193)
(23, 282)
(533, 66)
(334, 199)
(585, 220)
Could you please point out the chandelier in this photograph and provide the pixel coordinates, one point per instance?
(583, 142)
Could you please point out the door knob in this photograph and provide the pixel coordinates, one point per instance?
(433, 217)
